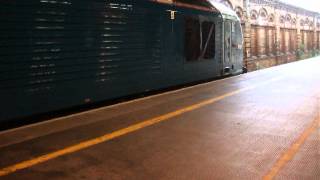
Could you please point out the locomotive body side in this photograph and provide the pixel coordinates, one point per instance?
(65, 53)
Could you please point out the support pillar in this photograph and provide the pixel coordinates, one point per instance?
(247, 42)
(299, 39)
(314, 46)
(318, 40)
(305, 36)
(286, 40)
(278, 37)
(247, 35)
(261, 41)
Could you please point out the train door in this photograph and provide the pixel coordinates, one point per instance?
(233, 54)
(228, 58)
(236, 46)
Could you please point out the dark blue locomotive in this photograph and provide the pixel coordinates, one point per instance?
(57, 54)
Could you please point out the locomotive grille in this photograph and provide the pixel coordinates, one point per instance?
(47, 42)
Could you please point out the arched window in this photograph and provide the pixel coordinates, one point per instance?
(307, 21)
(271, 18)
(282, 19)
(294, 21)
(288, 18)
(311, 24)
(263, 13)
(254, 15)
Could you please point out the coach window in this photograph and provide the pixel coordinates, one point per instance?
(199, 39)
(207, 48)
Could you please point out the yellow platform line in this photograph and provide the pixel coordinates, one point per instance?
(118, 133)
(292, 151)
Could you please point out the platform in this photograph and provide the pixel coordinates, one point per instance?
(259, 125)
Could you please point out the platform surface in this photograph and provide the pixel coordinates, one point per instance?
(259, 125)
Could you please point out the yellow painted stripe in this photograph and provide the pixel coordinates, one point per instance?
(115, 134)
(292, 151)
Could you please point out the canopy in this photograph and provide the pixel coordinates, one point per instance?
(207, 5)
(226, 12)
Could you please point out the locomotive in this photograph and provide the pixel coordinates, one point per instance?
(58, 54)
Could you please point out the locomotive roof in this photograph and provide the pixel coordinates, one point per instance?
(205, 5)
(227, 12)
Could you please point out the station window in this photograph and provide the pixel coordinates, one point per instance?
(199, 39)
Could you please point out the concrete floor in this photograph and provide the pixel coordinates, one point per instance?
(263, 124)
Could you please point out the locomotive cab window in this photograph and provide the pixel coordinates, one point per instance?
(199, 39)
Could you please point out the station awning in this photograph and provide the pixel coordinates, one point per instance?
(206, 5)
(226, 12)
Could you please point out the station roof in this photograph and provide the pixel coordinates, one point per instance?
(226, 12)
(206, 5)
(203, 3)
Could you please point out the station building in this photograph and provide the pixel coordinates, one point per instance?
(275, 32)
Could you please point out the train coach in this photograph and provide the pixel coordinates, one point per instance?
(58, 54)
